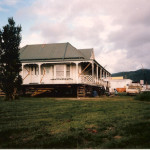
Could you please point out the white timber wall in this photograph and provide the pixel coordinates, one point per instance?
(58, 73)
(48, 74)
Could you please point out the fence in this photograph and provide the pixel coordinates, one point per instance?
(89, 79)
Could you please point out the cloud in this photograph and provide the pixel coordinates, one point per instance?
(5, 3)
(36, 38)
(9, 2)
(118, 30)
(134, 35)
(2, 9)
(112, 63)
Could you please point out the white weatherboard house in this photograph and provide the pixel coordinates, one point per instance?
(60, 64)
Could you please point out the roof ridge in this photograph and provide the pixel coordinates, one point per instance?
(75, 50)
(85, 52)
(45, 44)
(81, 53)
(23, 49)
(65, 50)
(85, 48)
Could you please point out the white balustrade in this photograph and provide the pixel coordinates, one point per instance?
(88, 79)
(46, 79)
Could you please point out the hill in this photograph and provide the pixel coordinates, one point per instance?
(142, 74)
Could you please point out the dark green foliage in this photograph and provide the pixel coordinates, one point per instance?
(142, 74)
(122, 94)
(145, 96)
(114, 122)
(10, 39)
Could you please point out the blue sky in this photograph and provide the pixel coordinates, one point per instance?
(118, 30)
(8, 8)
(11, 8)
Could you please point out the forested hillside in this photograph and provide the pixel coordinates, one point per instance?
(142, 74)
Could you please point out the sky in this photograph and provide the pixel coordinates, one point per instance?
(117, 30)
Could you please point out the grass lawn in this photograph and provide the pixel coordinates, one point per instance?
(115, 122)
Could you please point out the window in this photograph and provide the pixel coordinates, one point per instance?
(32, 72)
(68, 71)
(52, 71)
(42, 70)
(36, 70)
(60, 71)
(47, 70)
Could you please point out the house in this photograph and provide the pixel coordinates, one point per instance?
(60, 67)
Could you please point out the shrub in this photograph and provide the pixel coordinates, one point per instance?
(145, 96)
(122, 94)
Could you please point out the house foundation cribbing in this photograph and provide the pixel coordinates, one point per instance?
(70, 90)
(2, 93)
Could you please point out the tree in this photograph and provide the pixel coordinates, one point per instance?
(10, 65)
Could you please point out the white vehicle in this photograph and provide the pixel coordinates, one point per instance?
(133, 89)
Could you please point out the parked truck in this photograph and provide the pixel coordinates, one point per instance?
(133, 88)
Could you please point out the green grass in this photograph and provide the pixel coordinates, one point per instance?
(107, 122)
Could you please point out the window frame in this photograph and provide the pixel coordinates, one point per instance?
(64, 70)
(68, 65)
(55, 72)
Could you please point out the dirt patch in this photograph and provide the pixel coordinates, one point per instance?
(117, 137)
(92, 130)
(27, 139)
(109, 129)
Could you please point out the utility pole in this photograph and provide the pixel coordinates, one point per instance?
(144, 77)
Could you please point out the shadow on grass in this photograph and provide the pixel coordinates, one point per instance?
(135, 135)
(23, 138)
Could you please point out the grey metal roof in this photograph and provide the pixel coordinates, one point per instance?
(87, 53)
(52, 51)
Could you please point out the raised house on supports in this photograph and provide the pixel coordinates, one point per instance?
(61, 70)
